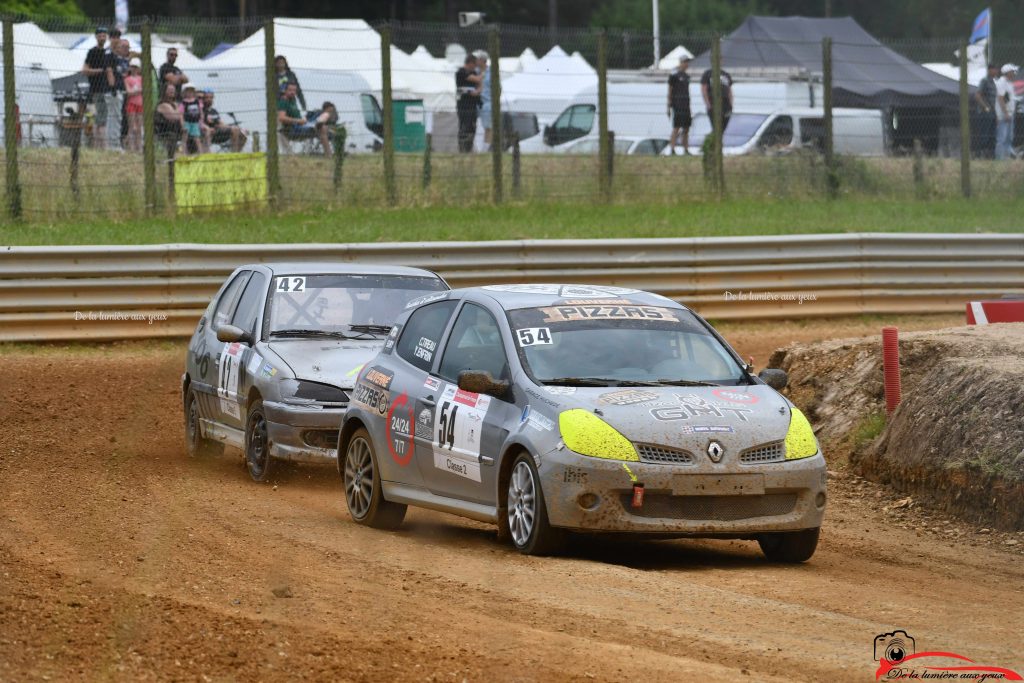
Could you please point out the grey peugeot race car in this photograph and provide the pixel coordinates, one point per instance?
(546, 408)
(274, 357)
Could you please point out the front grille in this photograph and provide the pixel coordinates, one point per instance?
(665, 456)
(768, 452)
(711, 508)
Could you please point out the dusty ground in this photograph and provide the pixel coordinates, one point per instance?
(123, 559)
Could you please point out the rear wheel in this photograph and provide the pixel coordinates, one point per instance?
(789, 546)
(363, 492)
(198, 445)
(527, 513)
(257, 444)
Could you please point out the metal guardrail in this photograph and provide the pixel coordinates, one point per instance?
(48, 293)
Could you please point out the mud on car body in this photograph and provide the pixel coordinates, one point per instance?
(546, 408)
(275, 356)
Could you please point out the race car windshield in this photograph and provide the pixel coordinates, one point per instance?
(349, 305)
(605, 344)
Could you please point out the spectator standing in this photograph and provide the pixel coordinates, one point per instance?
(679, 105)
(191, 109)
(985, 99)
(169, 73)
(217, 131)
(1006, 108)
(117, 124)
(133, 105)
(485, 97)
(99, 70)
(285, 75)
(706, 90)
(467, 105)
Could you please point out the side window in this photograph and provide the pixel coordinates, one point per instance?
(583, 118)
(778, 134)
(250, 304)
(474, 344)
(422, 334)
(222, 314)
(372, 116)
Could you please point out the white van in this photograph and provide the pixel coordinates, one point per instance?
(856, 132)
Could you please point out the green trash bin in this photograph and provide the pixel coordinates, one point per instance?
(410, 125)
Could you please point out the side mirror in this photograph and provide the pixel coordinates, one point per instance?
(547, 136)
(775, 378)
(481, 382)
(230, 333)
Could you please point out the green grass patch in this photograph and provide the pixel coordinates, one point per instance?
(868, 429)
(536, 221)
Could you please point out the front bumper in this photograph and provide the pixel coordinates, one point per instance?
(303, 433)
(793, 497)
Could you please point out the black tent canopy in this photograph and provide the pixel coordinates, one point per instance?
(865, 73)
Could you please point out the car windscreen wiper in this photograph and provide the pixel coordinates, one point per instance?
(310, 333)
(598, 382)
(686, 383)
(371, 329)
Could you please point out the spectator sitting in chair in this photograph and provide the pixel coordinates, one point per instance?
(167, 119)
(218, 132)
(296, 127)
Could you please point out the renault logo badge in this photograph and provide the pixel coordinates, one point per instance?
(715, 451)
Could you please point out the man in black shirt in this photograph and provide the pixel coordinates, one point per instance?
(467, 104)
(985, 100)
(679, 105)
(99, 69)
(169, 73)
(705, 88)
(216, 129)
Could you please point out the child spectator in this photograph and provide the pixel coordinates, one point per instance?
(191, 110)
(133, 104)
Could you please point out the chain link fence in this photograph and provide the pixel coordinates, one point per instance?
(187, 116)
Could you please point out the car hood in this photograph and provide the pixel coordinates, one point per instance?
(687, 417)
(335, 362)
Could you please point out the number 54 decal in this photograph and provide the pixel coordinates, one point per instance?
(530, 336)
(458, 427)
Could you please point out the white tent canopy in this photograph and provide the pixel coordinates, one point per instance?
(345, 45)
(671, 60)
(33, 49)
(546, 86)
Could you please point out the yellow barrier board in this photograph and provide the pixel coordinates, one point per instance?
(219, 182)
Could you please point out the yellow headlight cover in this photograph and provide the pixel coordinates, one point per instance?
(587, 434)
(800, 439)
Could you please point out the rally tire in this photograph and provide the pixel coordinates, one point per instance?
(363, 493)
(526, 512)
(789, 546)
(198, 446)
(258, 460)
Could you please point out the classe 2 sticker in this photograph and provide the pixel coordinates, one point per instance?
(458, 426)
(291, 284)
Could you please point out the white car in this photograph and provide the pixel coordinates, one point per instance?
(626, 144)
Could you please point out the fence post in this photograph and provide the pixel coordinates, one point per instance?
(497, 141)
(11, 123)
(919, 188)
(604, 173)
(611, 158)
(831, 176)
(340, 136)
(426, 162)
(148, 108)
(716, 110)
(965, 126)
(273, 170)
(517, 171)
(387, 115)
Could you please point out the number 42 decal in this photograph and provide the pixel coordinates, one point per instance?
(529, 336)
(291, 284)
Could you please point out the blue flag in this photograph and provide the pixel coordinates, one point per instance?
(982, 26)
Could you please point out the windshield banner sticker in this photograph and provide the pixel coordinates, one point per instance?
(562, 314)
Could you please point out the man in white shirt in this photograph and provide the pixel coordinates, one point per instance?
(1006, 106)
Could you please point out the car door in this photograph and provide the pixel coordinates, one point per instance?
(469, 429)
(233, 377)
(206, 350)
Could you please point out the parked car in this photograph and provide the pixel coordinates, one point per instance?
(274, 358)
(624, 144)
(545, 408)
(858, 132)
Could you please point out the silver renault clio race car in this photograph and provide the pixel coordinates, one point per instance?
(546, 408)
(274, 357)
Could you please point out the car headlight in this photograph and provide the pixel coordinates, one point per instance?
(304, 391)
(800, 439)
(587, 434)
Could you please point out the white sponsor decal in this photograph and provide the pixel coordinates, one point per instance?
(227, 379)
(458, 422)
(291, 284)
(254, 363)
(431, 383)
(560, 391)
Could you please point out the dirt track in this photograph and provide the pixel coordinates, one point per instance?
(122, 558)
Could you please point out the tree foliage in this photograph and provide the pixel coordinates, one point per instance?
(42, 8)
